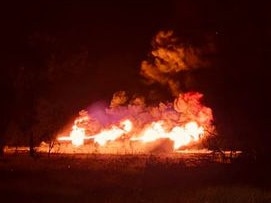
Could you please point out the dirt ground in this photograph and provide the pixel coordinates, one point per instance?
(131, 178)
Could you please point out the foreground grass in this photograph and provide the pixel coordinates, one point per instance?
(130, 179)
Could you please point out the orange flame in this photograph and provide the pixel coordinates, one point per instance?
(179, 135)
(183, 123)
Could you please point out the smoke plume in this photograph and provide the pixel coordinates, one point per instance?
(168, 58)
(130, 120)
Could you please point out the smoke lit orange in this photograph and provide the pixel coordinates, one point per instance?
(184, 121)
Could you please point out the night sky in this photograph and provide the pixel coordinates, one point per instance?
(78, 52)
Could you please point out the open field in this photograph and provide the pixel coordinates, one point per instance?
(131, 178)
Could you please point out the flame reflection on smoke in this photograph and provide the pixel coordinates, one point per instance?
(183, 123)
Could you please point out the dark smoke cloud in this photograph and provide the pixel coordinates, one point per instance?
(168, 58)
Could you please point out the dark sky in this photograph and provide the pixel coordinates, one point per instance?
(112, 38)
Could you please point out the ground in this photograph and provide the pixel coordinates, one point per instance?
(131, 178)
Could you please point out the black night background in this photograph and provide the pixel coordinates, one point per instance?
(58, 57)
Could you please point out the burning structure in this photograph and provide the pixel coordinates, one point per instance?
(130, 125)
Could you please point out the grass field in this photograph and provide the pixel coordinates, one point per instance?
(131, 178)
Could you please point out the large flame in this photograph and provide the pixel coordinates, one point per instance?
(183, 122)
(180, 135)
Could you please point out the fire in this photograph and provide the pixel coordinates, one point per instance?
(179, 135)
(77, 135)
(183, 122)
(154, 132)
(114, 133)
(127, 125)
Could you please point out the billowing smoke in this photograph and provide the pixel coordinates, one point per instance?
(190, 107)
(168, 58)
(119, 98)
(130, 120)
(181, 122)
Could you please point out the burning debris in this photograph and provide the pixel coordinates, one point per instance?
(183, 122)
